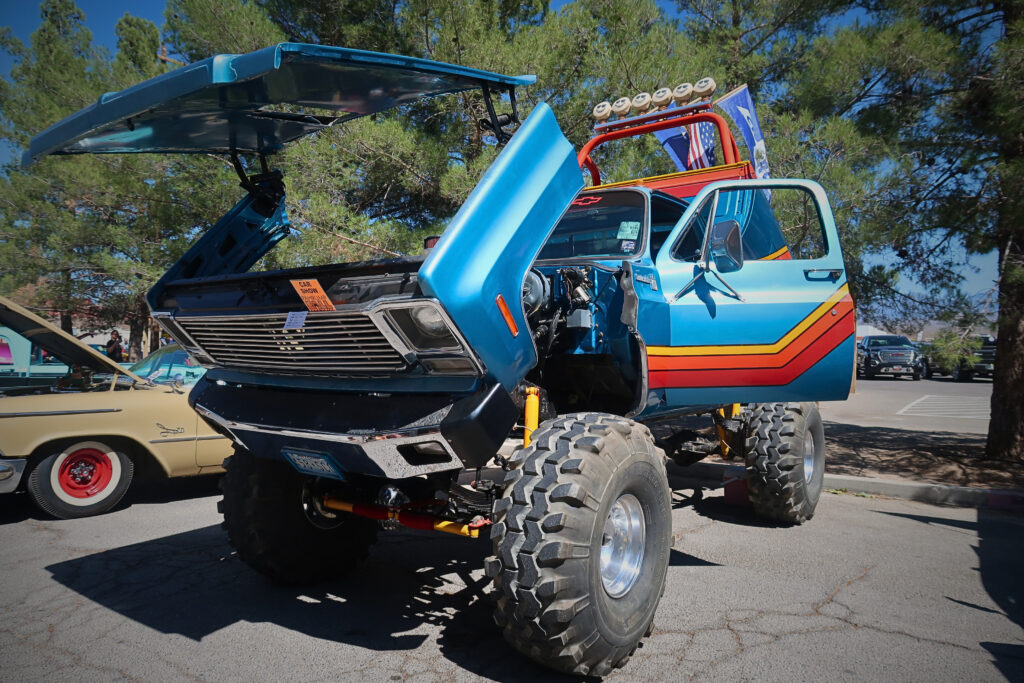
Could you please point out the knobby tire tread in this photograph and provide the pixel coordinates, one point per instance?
(774, 462)
(541, 532)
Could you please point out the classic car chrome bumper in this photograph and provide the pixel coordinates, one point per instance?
(10, 473)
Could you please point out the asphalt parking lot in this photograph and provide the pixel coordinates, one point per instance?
(937, 404)
(869, 589)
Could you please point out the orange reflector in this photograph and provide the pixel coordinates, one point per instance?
(507, 315)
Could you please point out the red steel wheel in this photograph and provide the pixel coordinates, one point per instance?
(86, 472)
(85, 478)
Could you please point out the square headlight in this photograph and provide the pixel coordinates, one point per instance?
(424, 328)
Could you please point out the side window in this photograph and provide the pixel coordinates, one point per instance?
(783, 225)
(687, 246)
(665, 214)
(166, 364)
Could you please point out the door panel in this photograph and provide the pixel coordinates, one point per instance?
(787, 336)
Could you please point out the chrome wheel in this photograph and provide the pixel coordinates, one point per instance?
(622, 545)
(808, 456)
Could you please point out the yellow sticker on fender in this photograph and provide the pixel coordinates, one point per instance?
(313, 295)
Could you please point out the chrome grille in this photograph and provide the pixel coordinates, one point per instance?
(328, 344)
(894, 356)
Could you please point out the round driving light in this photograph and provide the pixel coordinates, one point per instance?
(620, 107)
(682, 93)
(661, 97)
(704, 87)
(641, 102)
(429, 321)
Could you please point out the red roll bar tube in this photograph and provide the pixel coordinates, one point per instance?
(730, 151)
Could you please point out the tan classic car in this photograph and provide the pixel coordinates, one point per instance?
(76, 446)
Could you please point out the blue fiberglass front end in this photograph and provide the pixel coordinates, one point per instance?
(231, 104)
(491, 242)
(407, 368)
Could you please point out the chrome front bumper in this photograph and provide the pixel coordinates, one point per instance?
(393, 452)
(10, 473)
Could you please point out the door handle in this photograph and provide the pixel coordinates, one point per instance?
(833, 273)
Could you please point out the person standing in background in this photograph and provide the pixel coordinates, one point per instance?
(114, 349)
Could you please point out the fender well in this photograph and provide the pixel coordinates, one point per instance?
(146, 464)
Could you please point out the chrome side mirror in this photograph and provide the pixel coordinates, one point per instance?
(726, 246)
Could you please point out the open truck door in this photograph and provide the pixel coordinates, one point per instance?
(731, 330)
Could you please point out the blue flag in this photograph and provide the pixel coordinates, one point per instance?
(740, 107)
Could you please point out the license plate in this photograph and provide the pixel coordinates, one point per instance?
(307, 462)
(895, 368)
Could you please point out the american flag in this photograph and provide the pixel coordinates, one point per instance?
(700, 141)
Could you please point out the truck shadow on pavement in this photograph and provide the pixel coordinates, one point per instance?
(1000, 565)
(192, 584)
(941, 457)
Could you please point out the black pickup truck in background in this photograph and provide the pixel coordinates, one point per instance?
(888, 354)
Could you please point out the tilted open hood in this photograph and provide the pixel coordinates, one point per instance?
(233, 103)
(55, 340)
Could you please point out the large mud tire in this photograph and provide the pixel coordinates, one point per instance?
(550, 528)
(272, 530)
(786, 460)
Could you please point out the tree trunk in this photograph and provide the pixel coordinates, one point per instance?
(154, 335)
(1006, 427)
(136, 325)
(66, 322)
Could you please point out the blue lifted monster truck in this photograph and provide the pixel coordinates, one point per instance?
(366, 395)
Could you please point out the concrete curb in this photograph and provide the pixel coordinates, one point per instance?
(715, 475)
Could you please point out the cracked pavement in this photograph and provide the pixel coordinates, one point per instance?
(869, 589)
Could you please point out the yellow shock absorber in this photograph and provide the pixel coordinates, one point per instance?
(729, 412)
(456, 528)
(532, 414)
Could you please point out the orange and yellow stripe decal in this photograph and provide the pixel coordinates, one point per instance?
(814, 337)
(780, 255)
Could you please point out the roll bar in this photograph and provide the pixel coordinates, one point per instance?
(653, 122)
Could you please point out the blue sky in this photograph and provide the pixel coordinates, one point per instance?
(102, 15)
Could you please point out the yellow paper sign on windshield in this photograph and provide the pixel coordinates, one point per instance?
(313, 295)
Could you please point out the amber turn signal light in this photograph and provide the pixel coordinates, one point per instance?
(507, 315)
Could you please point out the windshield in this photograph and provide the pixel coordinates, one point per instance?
(600, 224)
(889, 341)
(167, 364)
